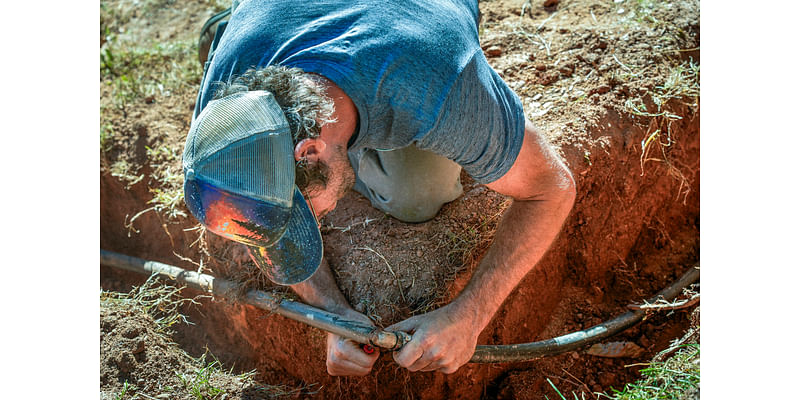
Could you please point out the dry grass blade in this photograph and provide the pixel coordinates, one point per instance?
(663, 305)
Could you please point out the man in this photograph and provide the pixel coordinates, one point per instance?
(393, 100)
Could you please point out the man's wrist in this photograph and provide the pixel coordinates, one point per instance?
(469, 309)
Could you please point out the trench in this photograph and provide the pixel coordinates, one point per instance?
(631, 233)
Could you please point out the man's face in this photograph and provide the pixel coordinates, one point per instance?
(341, 178)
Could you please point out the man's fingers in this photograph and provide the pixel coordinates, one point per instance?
(409, 354)
(431, 360)
(345, 357)
(407, 325)
(342, 367)
(349, 350)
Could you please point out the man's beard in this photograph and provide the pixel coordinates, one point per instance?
(341, 174)
(316, 176)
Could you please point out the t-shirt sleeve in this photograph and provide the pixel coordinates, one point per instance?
(481, 123)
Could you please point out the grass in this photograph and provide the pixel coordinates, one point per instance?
(672, 379)
(122, 170)
(139, 74)
(168, 196)
(199, 383)
(121, 394)
(682, 84)
(676, 378)
(159, 300)
(202, 383)
(133, 75)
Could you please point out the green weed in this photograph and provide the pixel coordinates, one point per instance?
(121, 394)
(168, 202)
(140, 74)
(668, 380)
(673, 379)
(199, 384)
(106, 131)
(122, 170)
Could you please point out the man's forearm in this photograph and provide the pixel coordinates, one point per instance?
(322, 291)
(526, 232)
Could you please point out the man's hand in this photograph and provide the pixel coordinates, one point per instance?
(346, 357)
(443, 340)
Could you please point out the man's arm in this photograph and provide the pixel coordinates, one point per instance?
(344, 356)
(543, 191)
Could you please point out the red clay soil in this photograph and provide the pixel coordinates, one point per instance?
(634, 228)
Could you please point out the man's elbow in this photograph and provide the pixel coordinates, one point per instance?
(562, 189)
(568, 191)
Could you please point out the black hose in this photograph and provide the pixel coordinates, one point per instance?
(330, 322)
(576, 340)
(366, 334)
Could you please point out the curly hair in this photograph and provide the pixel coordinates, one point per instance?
(304, 104)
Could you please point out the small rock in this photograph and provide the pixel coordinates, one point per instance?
(419, 253)
(532, 57)
(597, 388)
(541, 67)
(138, 347)
(550, 3)
(575, 355)
(602, 89)
(494, 51)
(547, 78)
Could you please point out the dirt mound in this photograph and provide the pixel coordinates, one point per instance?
(139, 357)
(615, 86)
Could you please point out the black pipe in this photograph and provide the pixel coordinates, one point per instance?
(330, 322)
(579, 339)
(366, 334)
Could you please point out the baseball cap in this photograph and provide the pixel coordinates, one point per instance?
(238, 167)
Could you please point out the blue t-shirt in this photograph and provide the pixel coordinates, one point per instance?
(414, 70)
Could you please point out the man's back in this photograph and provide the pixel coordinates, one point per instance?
(414, 70)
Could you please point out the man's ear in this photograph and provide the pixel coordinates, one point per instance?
(310, 149)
